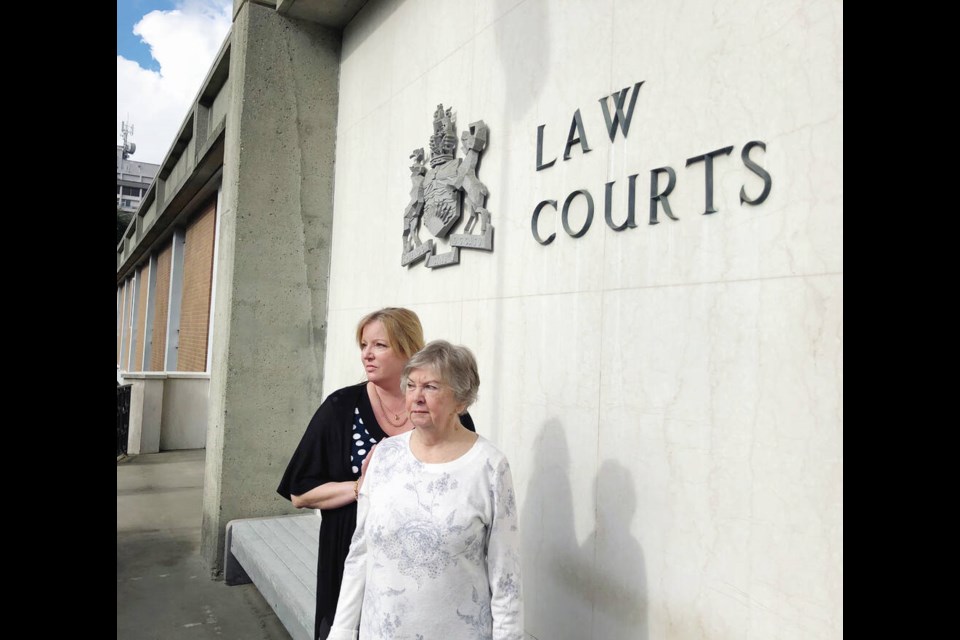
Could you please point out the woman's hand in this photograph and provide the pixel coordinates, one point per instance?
(333, 494)
(330, 495)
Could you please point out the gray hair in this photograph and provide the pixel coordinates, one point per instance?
(456, 366)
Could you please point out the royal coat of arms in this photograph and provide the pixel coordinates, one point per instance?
(440, 194)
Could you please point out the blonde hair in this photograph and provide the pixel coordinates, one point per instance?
(402, 326)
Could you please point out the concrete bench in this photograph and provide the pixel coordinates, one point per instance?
(279, 556)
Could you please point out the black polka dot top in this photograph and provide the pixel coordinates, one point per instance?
(362, 441)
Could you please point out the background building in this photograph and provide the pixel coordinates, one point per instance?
(670, 395)
(133, 180)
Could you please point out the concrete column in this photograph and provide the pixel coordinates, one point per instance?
(132, 347)
(146, 412)
(273, 260)
(175, 299)
(151, 305)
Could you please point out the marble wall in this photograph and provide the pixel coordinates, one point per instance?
(670, 396)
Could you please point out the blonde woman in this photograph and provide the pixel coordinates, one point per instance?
(327, 469)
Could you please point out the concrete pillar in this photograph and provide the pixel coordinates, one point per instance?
(175, 298)
(270, 303)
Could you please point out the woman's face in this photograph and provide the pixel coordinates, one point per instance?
(382, 363)
(431, 403)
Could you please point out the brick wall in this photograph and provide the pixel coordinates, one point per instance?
(197, 276)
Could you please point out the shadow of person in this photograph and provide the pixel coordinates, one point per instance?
(554, 604)
(618, 580)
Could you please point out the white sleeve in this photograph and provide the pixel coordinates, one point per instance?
(503, 559)
(347, 619)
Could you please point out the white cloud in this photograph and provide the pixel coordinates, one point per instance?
(184, 42)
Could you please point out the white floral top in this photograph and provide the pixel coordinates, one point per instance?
(436, 552)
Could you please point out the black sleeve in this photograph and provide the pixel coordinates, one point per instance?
(316, 459)
(467, 421)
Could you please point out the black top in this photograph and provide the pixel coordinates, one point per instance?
(322, 456)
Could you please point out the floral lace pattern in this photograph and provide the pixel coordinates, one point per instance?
(437, 547)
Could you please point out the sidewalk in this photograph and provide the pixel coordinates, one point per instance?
(164, 592)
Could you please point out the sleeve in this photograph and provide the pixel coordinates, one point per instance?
(467, 422)
(503, 558)
(346, 622)
(308, 467)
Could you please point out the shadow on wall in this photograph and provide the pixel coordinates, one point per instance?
(618, 589)
(573, 591)
(553, 566)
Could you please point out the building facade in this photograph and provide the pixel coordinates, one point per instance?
(658, 323)
(133, 180)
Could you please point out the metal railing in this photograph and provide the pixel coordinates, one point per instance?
(123, 417)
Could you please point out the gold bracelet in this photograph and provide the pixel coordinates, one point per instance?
(356, 489)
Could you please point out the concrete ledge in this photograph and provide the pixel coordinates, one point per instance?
(279, 555)
(144, 375)
(186, 375)
(164, 375)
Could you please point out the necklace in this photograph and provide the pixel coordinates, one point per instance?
(396, 416)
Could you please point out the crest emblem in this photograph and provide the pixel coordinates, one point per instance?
(442, 193)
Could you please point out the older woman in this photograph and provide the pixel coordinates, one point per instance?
(436, 554)
(327, 469)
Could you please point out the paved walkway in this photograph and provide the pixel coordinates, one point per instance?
(164, 591)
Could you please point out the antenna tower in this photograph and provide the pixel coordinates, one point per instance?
(128, 147)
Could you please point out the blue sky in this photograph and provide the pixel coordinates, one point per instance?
(130, 46)
(164, 50)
